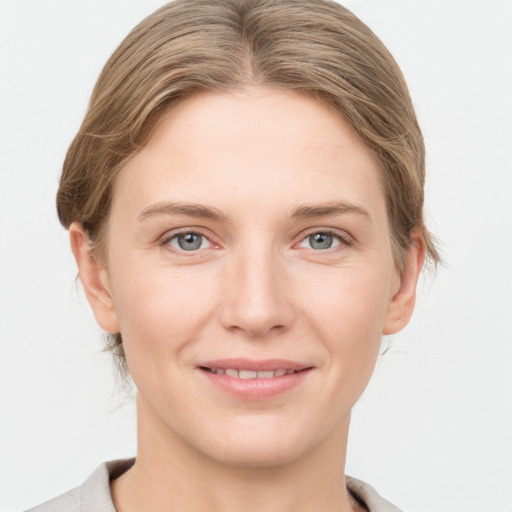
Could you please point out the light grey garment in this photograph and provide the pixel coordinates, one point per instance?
(94, 495)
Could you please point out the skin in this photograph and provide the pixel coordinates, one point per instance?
(256, 288)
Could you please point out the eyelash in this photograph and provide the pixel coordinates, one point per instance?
(166, 241)
(343, 238)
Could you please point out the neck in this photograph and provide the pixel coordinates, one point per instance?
(170, 475)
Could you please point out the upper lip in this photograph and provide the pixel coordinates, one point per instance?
(254, 365)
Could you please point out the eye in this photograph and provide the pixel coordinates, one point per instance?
(188, 241)
(322, 240)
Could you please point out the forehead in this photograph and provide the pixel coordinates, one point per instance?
(256, 145)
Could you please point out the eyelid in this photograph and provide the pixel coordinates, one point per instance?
(345, 238)
(165, 239)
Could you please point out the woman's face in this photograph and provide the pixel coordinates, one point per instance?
(248, 239)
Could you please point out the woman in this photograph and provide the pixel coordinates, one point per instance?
(245, 205)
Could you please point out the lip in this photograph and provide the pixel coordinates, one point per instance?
(251, 364)
(255, 389)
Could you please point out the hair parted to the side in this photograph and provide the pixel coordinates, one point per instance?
(316, 47)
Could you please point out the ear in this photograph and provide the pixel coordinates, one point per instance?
(94, 277)
(401, 305)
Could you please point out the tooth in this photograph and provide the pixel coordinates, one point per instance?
(279, 373)
(267, 374)
(289, 372)
(230, 372)
(247, 374)
(219, 370)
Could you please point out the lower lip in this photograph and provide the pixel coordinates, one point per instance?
(256, 389)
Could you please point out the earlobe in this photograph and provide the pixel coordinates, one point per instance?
(94, 278)
(401, 305)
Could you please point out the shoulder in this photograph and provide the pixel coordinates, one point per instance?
(367, 496)
(69, 502)
(93, 495)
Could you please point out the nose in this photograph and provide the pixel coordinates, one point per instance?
(257, 299)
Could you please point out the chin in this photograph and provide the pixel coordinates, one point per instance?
(270, 445)
(257, 455)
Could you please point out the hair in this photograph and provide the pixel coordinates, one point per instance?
(315, 47)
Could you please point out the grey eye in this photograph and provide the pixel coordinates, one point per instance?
(323, 240)
(189, 241)
(320, 241)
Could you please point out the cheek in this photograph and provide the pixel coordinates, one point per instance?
(348, 314)
(159, 308)
(349, 299)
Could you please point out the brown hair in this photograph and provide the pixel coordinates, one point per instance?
(316, 47)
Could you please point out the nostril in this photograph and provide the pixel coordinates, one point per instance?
(257, 307)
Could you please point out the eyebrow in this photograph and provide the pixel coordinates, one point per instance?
(328, 209)
(304, 211)
(176, 208)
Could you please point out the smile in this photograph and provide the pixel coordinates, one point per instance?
(250, 374)
(254, 380)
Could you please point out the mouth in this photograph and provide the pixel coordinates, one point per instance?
(255, 380)
(251, 374)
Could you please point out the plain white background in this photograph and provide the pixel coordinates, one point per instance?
(433, 432)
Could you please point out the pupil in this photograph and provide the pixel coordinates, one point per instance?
(189, 241)
(320, 241)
